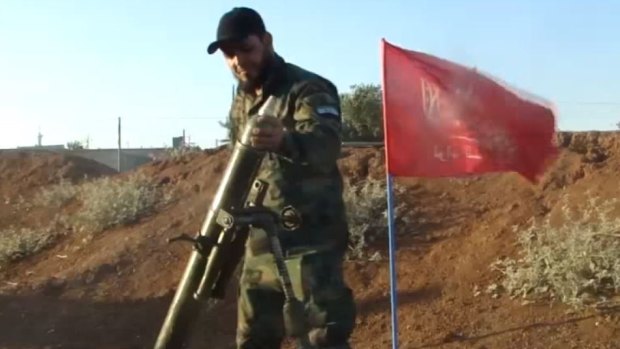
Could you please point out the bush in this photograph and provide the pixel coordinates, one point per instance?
(577, 263)
(56, 195)
(108, 202)
(19, 243)
(101, 203)
(178, 153)
(366, 204)
(104, 202)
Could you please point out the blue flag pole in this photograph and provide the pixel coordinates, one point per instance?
(392, 251)
(390, 206)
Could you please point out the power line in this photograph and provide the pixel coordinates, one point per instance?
(190, 118)
(166, 118)
(128, 118)
(590, 103)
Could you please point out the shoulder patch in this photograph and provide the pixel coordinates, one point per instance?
(328, 111)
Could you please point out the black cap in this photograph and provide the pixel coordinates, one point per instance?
(236, 25)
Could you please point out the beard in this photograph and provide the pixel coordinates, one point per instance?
(252, 84)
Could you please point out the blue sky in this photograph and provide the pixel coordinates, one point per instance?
(71, 68)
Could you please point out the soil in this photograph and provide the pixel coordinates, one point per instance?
(113, 291)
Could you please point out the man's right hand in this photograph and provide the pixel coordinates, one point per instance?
(268, 134)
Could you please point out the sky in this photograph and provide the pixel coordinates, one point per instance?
(70, 69)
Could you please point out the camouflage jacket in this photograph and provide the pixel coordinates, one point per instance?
(303, 174)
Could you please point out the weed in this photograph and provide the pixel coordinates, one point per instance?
(577, 263)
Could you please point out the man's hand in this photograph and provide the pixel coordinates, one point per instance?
(269, 133)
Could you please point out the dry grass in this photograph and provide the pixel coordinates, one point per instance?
(576, 263)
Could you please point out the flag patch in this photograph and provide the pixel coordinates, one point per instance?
(328, 111)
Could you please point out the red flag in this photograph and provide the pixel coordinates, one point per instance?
(443, 119)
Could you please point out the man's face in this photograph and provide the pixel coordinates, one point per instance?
(247, 59)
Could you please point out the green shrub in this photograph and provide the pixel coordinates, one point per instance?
(179, 153)
(101, 203)
(108, 202)
(577, 263)
(56, 195)
(18, 243)
(366, 204)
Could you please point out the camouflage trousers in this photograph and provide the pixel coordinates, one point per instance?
(318, 282)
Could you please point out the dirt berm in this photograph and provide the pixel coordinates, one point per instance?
(113, 290)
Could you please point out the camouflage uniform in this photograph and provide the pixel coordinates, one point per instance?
(302, 175)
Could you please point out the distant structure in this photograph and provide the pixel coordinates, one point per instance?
(125, 159)
(179, 142)
(39, 145)
(43, 147)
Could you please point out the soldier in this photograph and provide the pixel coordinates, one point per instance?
(303, 142)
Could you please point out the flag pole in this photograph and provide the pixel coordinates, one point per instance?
(390, 205)
(392, 251)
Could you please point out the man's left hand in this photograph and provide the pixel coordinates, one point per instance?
(269, 133)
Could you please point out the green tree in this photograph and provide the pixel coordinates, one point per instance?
(75, 145)
(362, 113)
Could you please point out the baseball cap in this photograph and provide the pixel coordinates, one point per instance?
(236, 25)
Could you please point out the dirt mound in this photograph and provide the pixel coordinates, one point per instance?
(23, 170)
(113, 291)
(24, 173)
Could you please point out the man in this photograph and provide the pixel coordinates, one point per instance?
(303, 144)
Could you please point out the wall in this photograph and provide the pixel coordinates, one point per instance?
(134, 157)
(130, 158)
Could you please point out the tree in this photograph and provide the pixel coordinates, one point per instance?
(75, 145)
(362, 113)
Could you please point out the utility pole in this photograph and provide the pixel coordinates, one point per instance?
(119, 146)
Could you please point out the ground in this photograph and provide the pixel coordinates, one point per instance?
(113, 290)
